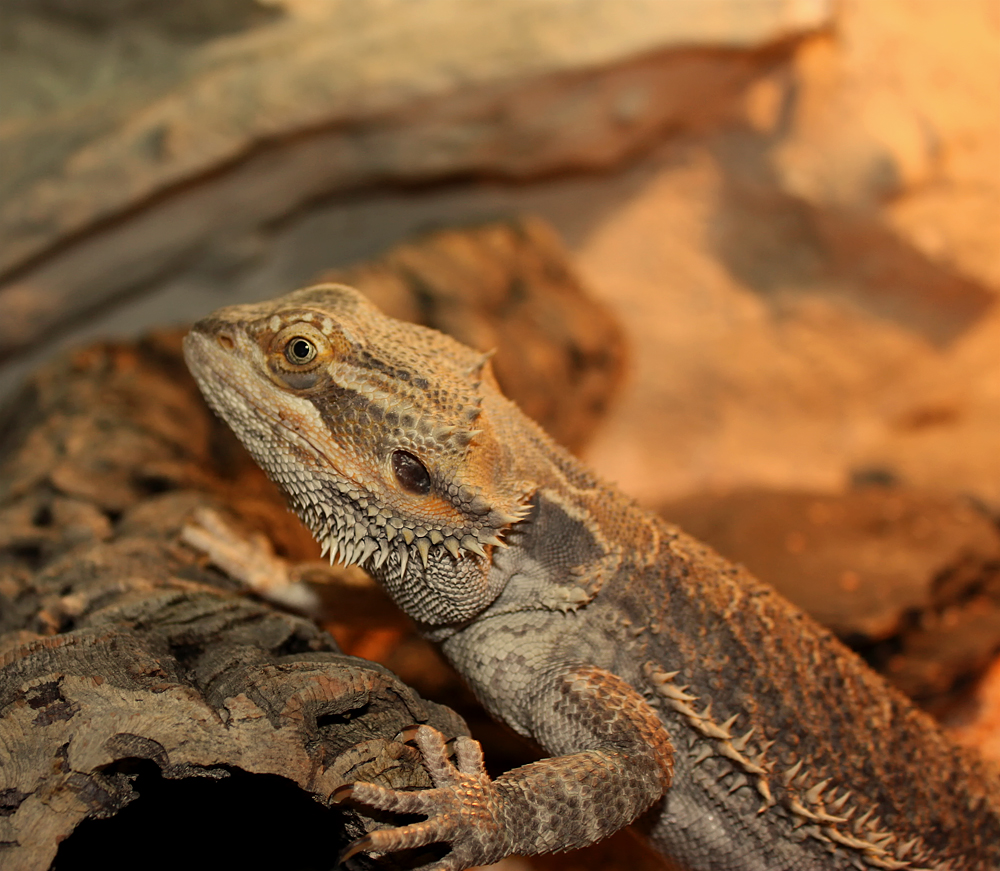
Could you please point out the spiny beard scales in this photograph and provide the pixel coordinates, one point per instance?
(351, 527)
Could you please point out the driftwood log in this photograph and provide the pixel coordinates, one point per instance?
(148, 708)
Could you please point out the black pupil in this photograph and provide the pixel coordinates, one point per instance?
(300, 351)
(411, 473)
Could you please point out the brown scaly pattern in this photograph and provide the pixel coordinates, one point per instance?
(657, 675)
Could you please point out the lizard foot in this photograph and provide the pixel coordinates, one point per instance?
(462, 809)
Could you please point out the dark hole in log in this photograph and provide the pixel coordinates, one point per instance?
(241, 821)
(340, 718)
(150, 484)
(416, 858)
(296, 643)
(186, 654)
(43, 515)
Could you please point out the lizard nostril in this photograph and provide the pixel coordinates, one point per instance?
(226, 341)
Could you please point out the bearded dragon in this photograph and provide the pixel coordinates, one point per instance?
(665, 681)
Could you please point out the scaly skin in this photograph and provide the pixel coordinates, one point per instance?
(656, 673)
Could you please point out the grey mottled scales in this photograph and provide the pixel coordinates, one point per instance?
(655, 673)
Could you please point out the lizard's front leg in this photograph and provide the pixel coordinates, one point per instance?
(618, 762)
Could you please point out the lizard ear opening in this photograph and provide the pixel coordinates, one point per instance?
(411, 473)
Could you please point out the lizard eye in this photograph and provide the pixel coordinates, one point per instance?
(411, 473)
(300, 351)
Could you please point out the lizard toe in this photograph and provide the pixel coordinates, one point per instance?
(395, 800)
(435, 752)
(407, 837)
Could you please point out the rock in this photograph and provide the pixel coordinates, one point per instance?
(903, 127)
(816, 292)
(857, 562)
(304, 98)
(977, 724)
(946, 647)
(792, 316)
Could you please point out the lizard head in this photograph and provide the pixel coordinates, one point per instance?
(377, 433)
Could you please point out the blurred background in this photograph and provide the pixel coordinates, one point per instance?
(791, 207)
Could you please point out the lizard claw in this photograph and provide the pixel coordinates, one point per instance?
(408, 734)
(408, 837)
(342, 793)
(361, 845)
(462, 808)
